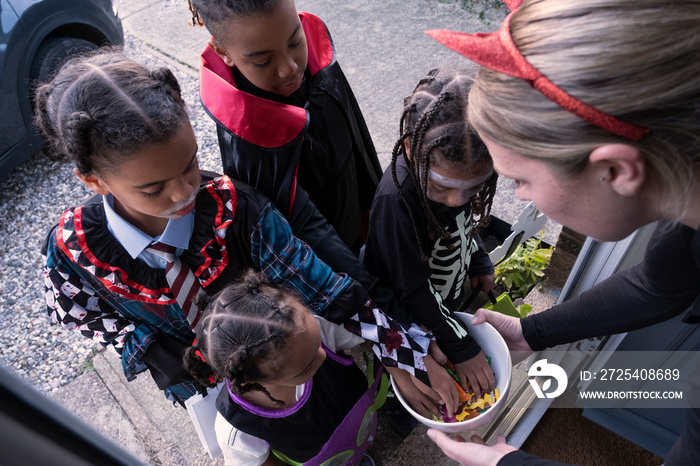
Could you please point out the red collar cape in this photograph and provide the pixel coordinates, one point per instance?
(260, 121)
(86, 241)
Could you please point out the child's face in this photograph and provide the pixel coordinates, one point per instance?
(157, 183)
(304, 354)
(269, 49)
(450, 185)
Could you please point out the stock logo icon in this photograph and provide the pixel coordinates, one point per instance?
(551, 371)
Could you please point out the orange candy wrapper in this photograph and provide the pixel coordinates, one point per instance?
(463, 396)
(472, 405)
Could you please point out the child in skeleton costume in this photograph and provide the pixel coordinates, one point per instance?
(124, 269)
(290, 393)
(422, 237)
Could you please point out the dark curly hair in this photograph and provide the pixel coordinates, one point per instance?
(102, 107)
(434, 120)
(217, 15)
(244, 326)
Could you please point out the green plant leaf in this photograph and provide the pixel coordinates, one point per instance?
(524, 309)
(524, 269)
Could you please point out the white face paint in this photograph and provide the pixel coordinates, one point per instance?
(183, 208)
(453, 188)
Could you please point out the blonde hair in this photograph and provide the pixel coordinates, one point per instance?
(638, 61)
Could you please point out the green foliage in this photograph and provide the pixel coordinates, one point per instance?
(89, 366)
(506, 306)
(524, 269)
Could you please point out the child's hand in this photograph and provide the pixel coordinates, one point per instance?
(437, 354)
(486, 281)
(442, 383)
(423, 398)
(478, 372)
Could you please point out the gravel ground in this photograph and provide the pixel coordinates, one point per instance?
(31, 200)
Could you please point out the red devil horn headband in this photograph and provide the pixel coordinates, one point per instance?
(497, 51)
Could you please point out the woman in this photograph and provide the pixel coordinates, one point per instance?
(592, 107)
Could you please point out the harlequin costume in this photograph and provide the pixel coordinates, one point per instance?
(429, 290)
(94, 286)
(315, 140)
(333, 421)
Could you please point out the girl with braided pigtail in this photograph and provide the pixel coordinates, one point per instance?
(288, 389)
(422, 237)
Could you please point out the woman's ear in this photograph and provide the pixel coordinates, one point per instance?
(621, 166)
(220, 51)
(93, 182)
(407, 147)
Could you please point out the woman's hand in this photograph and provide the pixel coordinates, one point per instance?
(443, 384)
(422, 398)
(510, 329)
(474, 453)
(478, 372)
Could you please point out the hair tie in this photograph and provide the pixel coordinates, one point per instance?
(199, 354)
(202, 300)
(242, 354)
(253, 283)
(80, 121)
(159, 75)
(166, 78)
(82, 117)
(197, 350)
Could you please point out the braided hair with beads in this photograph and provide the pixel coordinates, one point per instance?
(434, 124)
(243, 328)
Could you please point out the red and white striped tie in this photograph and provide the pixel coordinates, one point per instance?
(181, 280)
